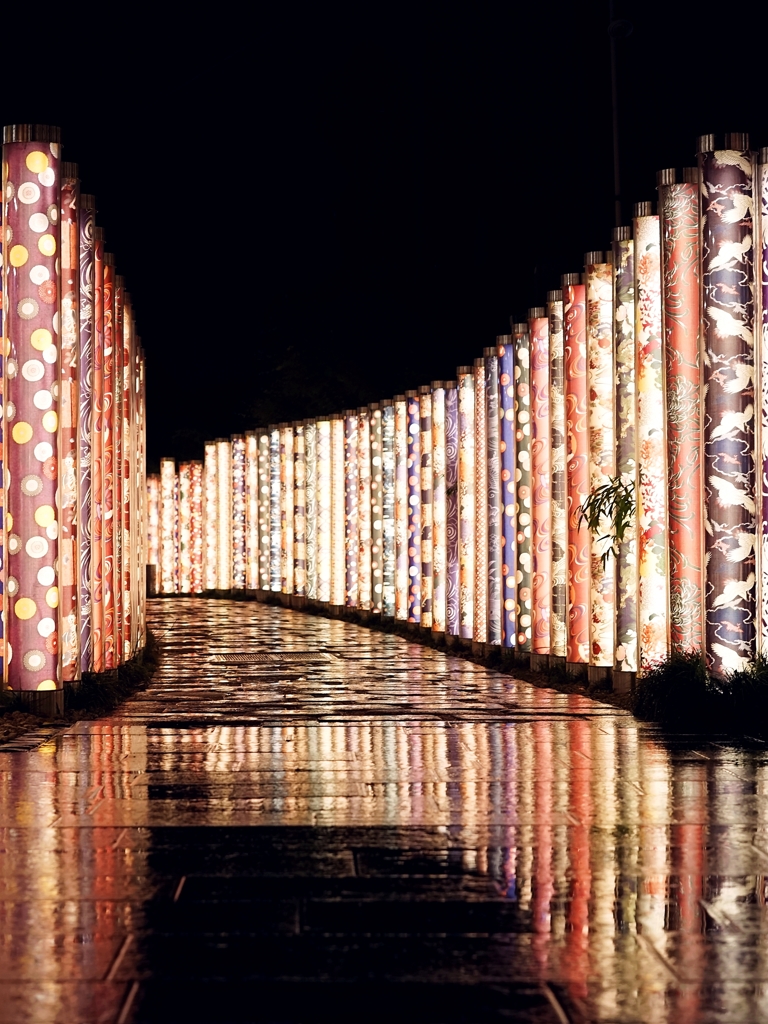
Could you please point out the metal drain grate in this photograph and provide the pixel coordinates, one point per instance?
(273, 659)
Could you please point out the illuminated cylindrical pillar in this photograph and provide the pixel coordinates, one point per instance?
(153, 521)
(168, 583)
(377, 509)
(651, 492)
(439, 543)
(577, 465)
(274, 510)
(466, 492)
(31, 269)
(323, 553)
(299, 511)
(97, 457)
(69, 551)
(505, 347)
(494, 497)
(559, 518)
(426, 483)
(602, 448)
(310, 497)
(265, 534)
(239, 549)
(196, 527)
(117, 463)
(364, 509)
(224, 505)
(414, 506)
(350, 508)
(541, 492)
(524, 563)
(128, 508)
(85, 356)
(185, 528)
(286, 508)
(388, 553)
(480, 604)
(681, 312)
(338, 562)
(625, 654)
(210, 517)
(108, 463)
(452, 573)
(761, 202)
(401, 507)
(727, 256)
(252, 510)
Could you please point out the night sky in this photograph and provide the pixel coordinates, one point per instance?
(315, 208)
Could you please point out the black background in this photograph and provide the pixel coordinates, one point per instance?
(320, 207)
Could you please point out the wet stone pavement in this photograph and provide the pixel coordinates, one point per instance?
(349, 827)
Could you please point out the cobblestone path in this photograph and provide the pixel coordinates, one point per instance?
(304, 820)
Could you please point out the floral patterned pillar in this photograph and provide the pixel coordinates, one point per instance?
(224, 505)
(252, 510)
(401, 508)
(480, 619)
(274, 510)
(388, 507)
(602, 448)
(210, 517)
(651, 492)
(541, 487)
(413, 465)
(506, 350)
(117, 462)
(681, 324)
(377, 502)
(168, 527)
(185, 528)
(97, 457)
(438, 507)
(107, 462)
(466, 491)
(69, 456)
(523, 509)
(84, 422)
(427, 524)
(727, 258)
(559, 611)
(323, 552)
(153, 520)
(452, 625)
(625, 654)
(762, 455)
(264, 510)
(577, 466)
(239, 550)
(493, 495)
(310, 499)
(31, 189)
(286, 508)
(338, 566)
(364, 509)
(350, 508)
(196, 503)
(299, 511)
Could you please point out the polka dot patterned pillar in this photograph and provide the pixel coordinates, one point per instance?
(32, 202)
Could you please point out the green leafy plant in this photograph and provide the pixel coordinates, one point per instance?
(615, 502)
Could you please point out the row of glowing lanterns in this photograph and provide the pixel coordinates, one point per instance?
(459, 506)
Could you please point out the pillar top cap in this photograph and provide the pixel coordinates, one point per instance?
(31, 133)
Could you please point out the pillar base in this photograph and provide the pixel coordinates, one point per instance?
(600, 676)
(45, 703)
(624, 682)
(539, 663)
(577, 669)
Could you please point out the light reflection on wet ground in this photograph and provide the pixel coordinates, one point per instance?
(388, 831)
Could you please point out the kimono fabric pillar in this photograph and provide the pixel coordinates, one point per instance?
(274, 509)
(153, 520)
(238, 513)
(310, 499)
(351, 488)
(427, 524)
(762, 456)
(466, 493)
(224, 514)
(97, 457)
(377, 511)
(252, 510)
(364, 509)
(210, 517)
(625, 654)
(651, 493)
(451, 509)
(388, 507)
(323, 497)
(438, 507)
(338, 565)
(727, 268)
(31, 192)
(577, 469)
(196, 501)
(602, 455)
(480, 622)
(299, 510)
(69, 459)
(185, 528)
(413, 465)
(84, 422)
(523, 568)
(264, 534)
(559, 611)
(286, 508)
(168, 527)
(541, 497)
(493, 494)
(506, 353)
(401, 508)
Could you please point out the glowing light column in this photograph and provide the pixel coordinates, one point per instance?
(185, 529)
(625, 655)
(323, 552)
(31, 260)
(602, 448)
(68, 470)
(224, 505)
(108, 464)
(494, 497)
(651, 494)
(761, 189)
(388, 507)
(196, 528)
(727, 256)
(414, 506)
(559, 519)
(541, 493)
(274, 510)
(577, 466)
(681, 312)
(480, 610)
(84, 422)
(299, 511)
(350, 508)
(239, 551)
(452, 611)
(97, 457)
(364, 584)
(401, 508)
(286, 508)
(168, 527)
(210, 517)
(264, 511)
(310, 474)
(425, 480)
(439, 544)
(377, 511)
(506, 351)
(524, 566)
(466, 491)
(252, 510)
(153, 521)
(338, 564)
